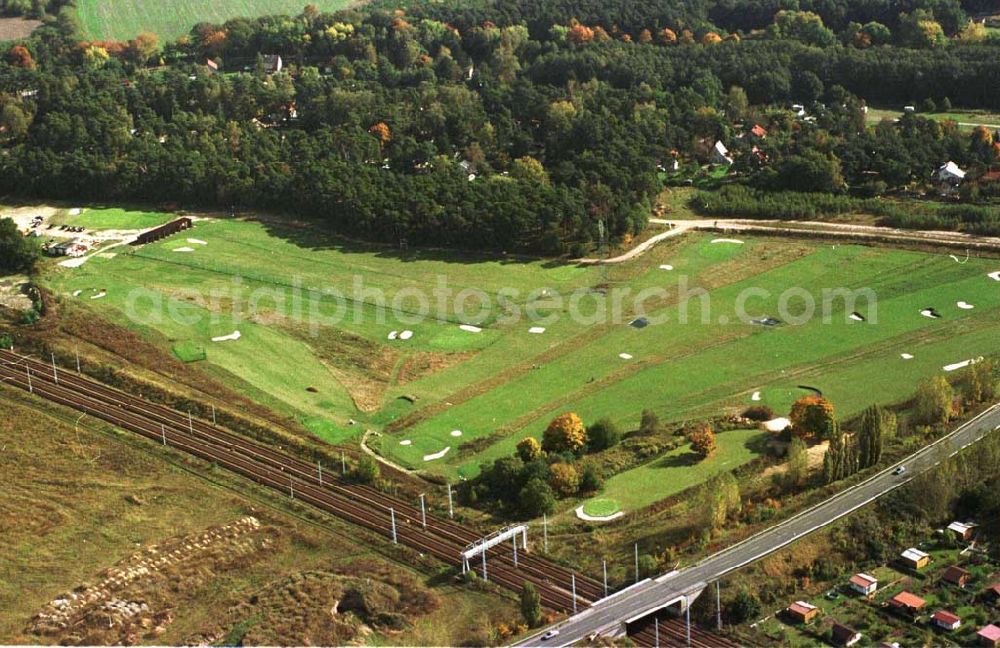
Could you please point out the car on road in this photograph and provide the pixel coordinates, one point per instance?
(548, 635)
(899, 471)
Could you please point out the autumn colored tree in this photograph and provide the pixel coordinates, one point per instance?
(565, 479)
(564, 433)
(601, 35)
(20, 56)
(382, 132)
(529, 449)
(710, 38)
(580, 34)
(812, 417)
(143, 46)
(667, 36)
(934, 401)
(530, 169)
(703, 441)
(645, 36)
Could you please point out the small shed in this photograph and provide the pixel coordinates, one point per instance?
(946, 620)
(802, 612)
(864, 584)
(989, 636)
(956, 576)
(273, 63)
(843, 635)
(915, 559)
(720, 154)
(961, 530)
(907, 603)
(950, 173)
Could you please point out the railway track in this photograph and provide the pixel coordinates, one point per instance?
(674, 634)
(361, 505)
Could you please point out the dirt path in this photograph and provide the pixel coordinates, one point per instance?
(846, 231)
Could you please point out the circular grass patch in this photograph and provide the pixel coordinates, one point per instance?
(601, 507)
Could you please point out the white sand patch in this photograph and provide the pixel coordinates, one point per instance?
(75, 262)
(777, 425)
(405, 442)
(597, 518)
(666, 266)
(235, 335)
(906, 356)
(625, 356)
(726, 240)
(856, 317)
(965, 305)
(537, 330)
(456, 433)
(961, 365)
(755, 396)
(106, 255)
(197, 242)
(995, 276)
(406, 335)
(470, 328)
(183, 249)
(76, 293)
(928, 312)
(75, 211)
(393, 335)
(437, 455)
(100, 295)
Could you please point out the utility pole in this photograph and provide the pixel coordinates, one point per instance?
(343, 463)
(163, 434)
(687, 619)
(451, 510)
(392, 514)
(545, 531)
(319, 467)
(190, 423)
(718, 607)
(605, 562)
(656, 630)
(637, 562)
(573, 577)
(514, 539)
(213, 415)
(291, 487)
(423, 512)
(78, 360)
(55, 373)
(31, 390)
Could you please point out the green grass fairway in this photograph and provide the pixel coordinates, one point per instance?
(112, 219)
(967, 119)
(601, 507)
(681, 469)
(448, 400)
(123, 19)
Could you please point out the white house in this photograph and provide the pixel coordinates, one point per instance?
(720, 154)
(864, 584)
(950, 173)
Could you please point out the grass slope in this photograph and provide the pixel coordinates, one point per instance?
(123, 19)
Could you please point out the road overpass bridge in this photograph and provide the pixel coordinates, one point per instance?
(611, 616)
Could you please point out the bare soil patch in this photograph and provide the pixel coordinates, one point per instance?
(17, 28)
(423, 364)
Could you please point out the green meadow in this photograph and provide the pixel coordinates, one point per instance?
(317, 317)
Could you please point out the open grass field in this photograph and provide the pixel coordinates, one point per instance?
(123, 19)
(967, 119)
(79, 500)
(447, 399)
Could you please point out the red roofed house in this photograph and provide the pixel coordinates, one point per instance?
(946, 620)
(759, 131)
(989, 636)
(802, 612)
(907, 603)
(956, 576)
(864, 584)
(844, 636)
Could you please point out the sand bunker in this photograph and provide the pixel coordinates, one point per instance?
(75, 262)
(197, 242)
(777, 425)
(100, 295)
(965, 305)
(906, 356)
(995, 276)
(666, 266)
(961, 365)
(183, 249)
(76, 293)
(625, 356)
(931, 313)
(393, 335)
(235, 335)
(437, 455)
(456, 433)
(755, 396)
(725, 240)
(470, 328)
(639, 323)
(857, 317)
(537, 330)
(75, 211)
(406, 335)
(405, 442)
(597, 518)
(766, 321)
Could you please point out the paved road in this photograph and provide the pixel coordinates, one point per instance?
(605, 616)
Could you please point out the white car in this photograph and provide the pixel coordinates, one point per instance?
(899, 471)
(548, 635)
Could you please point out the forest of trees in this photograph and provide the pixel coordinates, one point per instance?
(507, 125)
